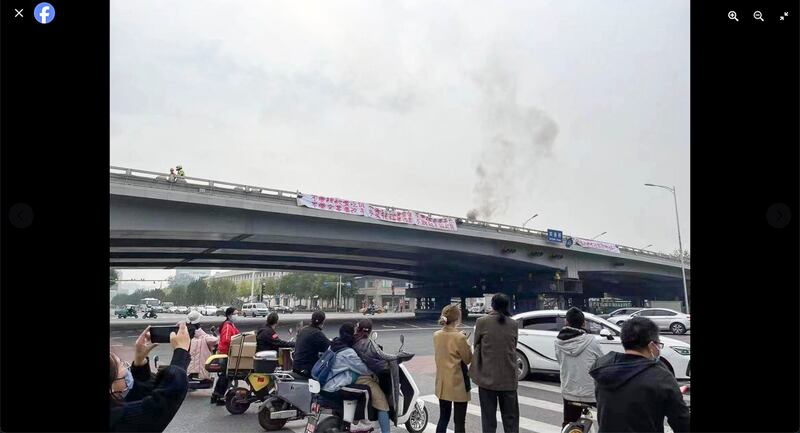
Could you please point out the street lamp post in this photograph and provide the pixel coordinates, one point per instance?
(529, 220)
(680, 244)
(601, 234)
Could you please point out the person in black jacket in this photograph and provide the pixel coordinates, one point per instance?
(267, 338)
(634, 390)
(311, 343)
(140, 402)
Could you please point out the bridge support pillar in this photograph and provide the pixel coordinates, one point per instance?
(464, 312)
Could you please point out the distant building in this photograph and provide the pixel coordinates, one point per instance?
(185, 277)
(390, 294)
(237, 276)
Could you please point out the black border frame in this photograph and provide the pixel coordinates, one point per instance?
(54, 153)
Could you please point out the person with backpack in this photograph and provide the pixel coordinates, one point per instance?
(576, 351)
(340, 365)
(377, 361)
(494, 367)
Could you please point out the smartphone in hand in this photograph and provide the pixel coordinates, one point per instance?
(160, 334)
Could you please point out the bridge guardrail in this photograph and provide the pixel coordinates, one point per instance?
(272, 193)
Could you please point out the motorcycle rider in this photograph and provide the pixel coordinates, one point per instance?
(311, 343)
(376, 359)
(347, 366)
(267, 338)
(576, 351)
(226, 331)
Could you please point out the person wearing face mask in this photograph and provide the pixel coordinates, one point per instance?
(226, 331)
(634, 390)
(139, 401)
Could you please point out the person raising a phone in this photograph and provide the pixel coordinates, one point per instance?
(139, 401)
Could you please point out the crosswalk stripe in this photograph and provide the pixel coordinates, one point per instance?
(535, 402)
(540, 386)
(524, 423)
(431, 428)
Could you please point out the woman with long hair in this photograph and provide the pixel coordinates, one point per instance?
(227, 329)
(452, 354)
(494, 368)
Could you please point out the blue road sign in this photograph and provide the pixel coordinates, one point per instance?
(554, 235)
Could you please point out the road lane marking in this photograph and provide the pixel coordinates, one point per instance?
(540, 386)
(535, 402)
(524, 423)
(431, 428)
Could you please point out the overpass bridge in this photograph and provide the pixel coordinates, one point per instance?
(157, 222)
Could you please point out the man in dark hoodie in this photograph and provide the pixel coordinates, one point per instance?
(311, 342)
(576, 352)
(634, 390)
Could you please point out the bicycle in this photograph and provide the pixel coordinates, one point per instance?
(586, 423)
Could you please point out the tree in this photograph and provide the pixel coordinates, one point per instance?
(676, 254)
(113, 277)
(197, 293)
(222, 292)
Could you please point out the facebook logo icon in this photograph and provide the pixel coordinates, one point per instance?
(44, 13)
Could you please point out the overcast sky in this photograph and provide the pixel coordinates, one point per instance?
(511, 108)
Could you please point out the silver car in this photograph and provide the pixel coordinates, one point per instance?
(620, 312)
(255, 309)
(666, 319)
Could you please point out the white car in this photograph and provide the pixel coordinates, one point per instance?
(208, 310)
(666, 319)
(254, 309)
(536, 351)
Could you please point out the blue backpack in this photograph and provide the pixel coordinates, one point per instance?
(322, 368)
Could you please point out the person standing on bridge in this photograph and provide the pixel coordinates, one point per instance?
(181, 173)
(452, 354)
(226, 331)
(494, 368)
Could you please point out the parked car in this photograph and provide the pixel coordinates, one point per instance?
(538, 331)
(208, 310)
(301, 307)
(254, 309)
(172, 310)
(182, 309)
(282, 309)
(220, 311)
(158, 309)
(619, 312)
(372, 309)
(666, 319)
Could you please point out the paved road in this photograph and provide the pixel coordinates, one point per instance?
(539, 395)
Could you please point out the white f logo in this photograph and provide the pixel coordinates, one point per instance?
(44, 14)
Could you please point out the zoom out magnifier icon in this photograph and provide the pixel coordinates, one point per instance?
(757, 15)
(732, 16)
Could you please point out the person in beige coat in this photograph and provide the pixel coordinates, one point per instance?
(451, 351)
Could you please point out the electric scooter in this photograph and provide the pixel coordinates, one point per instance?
(335, 412)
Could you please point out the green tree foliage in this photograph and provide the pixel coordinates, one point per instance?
(113, 277)
(197, 293)
(222, 292)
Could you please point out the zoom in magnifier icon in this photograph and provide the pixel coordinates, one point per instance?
(732, 16)
(757, 15)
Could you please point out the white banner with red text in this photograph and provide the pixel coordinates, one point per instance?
(597, 245)
(379, 213)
